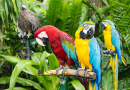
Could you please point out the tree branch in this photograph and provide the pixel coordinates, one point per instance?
(70, 72)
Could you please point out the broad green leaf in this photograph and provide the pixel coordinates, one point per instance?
(18, 68)
(26, 82)
(107, 82)
(53, 64)
(4, 80)
(46, 83)
(22, 81)
(77, 85)
(11, 59)
(17, 88)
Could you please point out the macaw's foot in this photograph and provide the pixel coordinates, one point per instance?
(86, 72)
(57, 70)
(111, 52)
(63, 72)
(79, 69)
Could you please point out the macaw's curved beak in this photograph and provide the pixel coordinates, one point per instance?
(104, 25)
(41, 40)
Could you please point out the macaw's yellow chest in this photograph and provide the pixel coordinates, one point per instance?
(82, 50)
(107, 40)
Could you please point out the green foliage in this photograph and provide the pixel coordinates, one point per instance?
(77, 85)
(63, 22)
(53, 12)
(26, 66)
(75, 14)
(67, 15)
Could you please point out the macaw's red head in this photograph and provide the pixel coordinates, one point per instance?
(46, 33)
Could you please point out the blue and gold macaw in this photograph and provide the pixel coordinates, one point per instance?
(112, 42)
(88, 52)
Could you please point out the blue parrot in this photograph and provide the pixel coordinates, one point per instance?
(88, 52)
(112, 42)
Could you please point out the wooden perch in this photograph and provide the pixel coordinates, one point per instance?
(69, 72)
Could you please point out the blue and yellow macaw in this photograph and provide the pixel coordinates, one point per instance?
(112, 42)
(88, 52)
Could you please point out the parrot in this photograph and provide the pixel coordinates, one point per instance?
(61, 43)
(112, 42)
(27, 23)
(88, 52)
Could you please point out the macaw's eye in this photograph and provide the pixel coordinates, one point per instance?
(89, 32)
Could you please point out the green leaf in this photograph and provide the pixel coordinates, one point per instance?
(26, 82)
(18, 68)
(85, 14)
(77, 85)
(17, 88)
(53, 12)
(4, 80)
(11, 59)
(107, 82)
(75, 14)
(63, 22)
(53, 63)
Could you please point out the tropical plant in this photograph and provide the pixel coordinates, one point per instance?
(67, 15)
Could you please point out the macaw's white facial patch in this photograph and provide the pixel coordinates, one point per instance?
(42, 35)
(39, 41)
(105, 24)
(87, 28)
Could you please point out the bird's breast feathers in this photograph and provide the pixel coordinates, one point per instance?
(82, 50)
(107, 40)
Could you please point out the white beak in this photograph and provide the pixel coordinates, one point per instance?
(39, 41)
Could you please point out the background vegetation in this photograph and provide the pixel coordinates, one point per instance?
(67, 15)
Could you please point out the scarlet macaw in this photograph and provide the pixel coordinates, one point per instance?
(88, 52)
(112, 42)
(62, 45)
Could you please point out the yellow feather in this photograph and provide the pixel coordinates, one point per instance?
(123, 60)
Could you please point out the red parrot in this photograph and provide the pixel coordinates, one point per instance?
(61, 43)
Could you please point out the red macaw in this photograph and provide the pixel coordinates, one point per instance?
(62, 44)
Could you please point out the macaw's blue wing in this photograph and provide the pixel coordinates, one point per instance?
(67, 42)
(95, 60)
(115, 39)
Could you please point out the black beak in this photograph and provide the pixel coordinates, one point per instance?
(44, 39)
(103, 26)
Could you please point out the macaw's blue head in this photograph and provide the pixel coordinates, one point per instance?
(107, 23)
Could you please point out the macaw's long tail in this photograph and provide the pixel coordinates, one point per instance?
(123, 60)
(93, 85)
(114, 63)
(84, 83)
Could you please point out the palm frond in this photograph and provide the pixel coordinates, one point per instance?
(53, 12)
(75, 14)
(63, 22)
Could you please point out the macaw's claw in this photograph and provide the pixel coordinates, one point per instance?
(57, 70)
(86, 72)
(79, 69)
(63, 72)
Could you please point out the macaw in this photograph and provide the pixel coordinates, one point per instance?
(88, 52)
(112, 42)
(62, 45)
